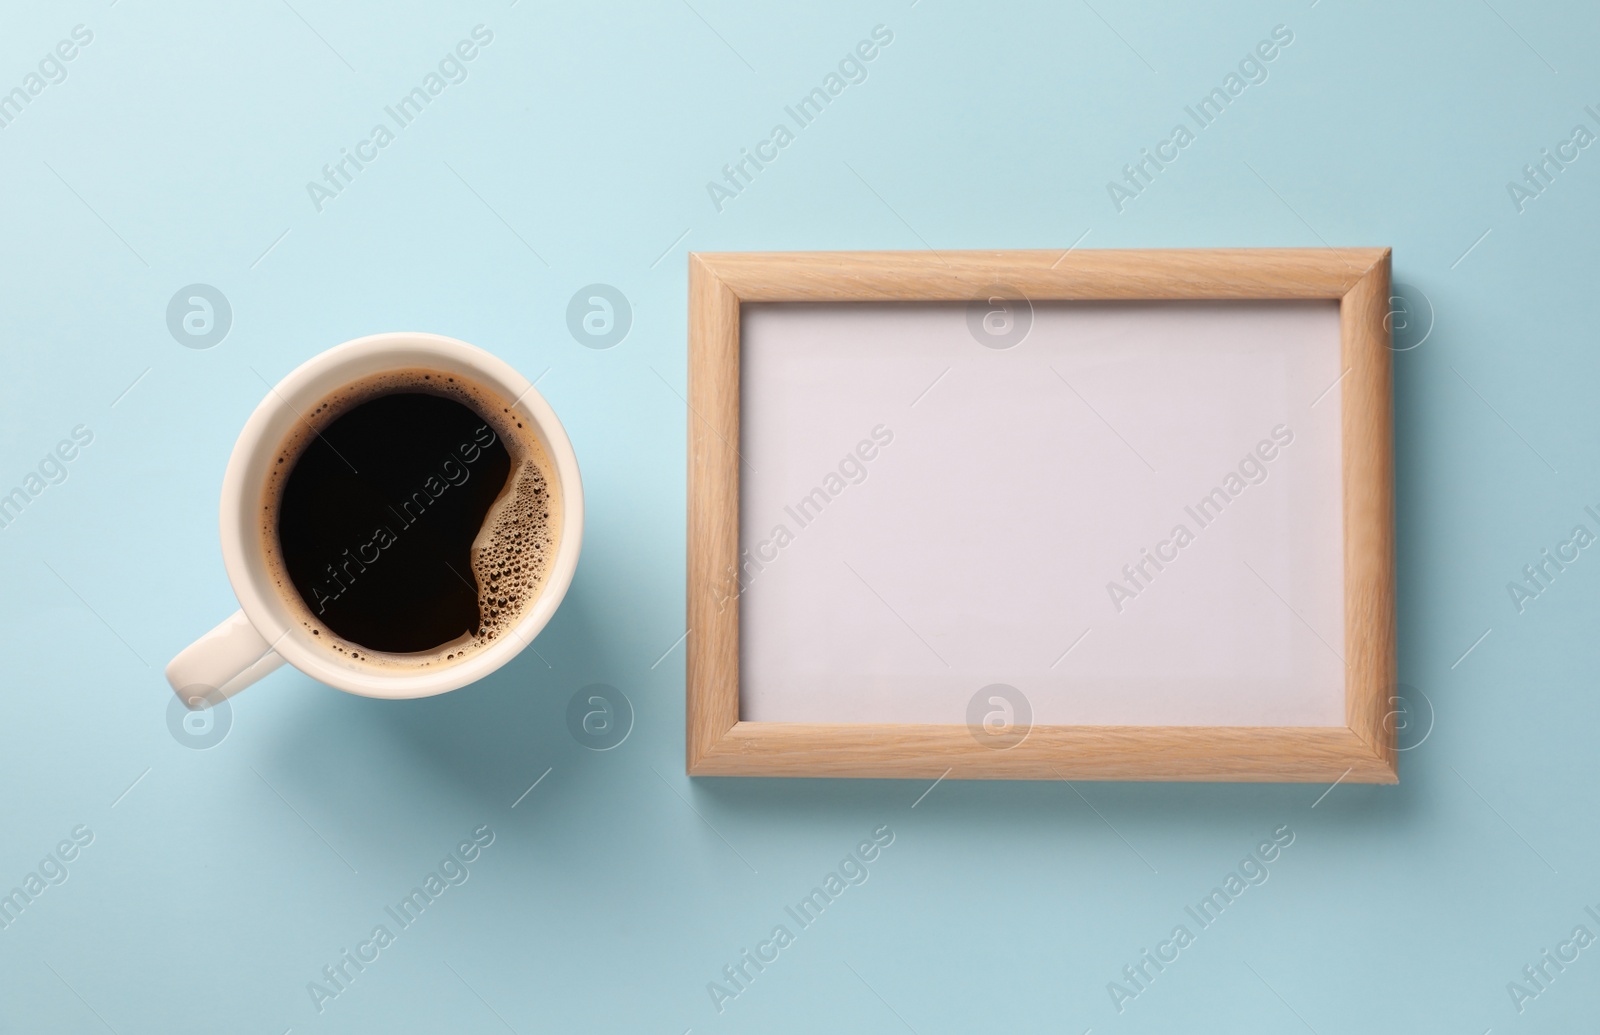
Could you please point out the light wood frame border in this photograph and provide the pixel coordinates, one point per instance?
(719, 743)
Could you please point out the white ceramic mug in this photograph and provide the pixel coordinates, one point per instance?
(263, 634)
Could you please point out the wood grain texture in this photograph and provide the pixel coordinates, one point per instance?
(1367, 445)
(1201, 753)
(719, 744)
(712, 647)
(1043, 275)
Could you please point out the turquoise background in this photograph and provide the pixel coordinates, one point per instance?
(220, 882)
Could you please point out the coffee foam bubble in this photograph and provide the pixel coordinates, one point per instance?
(512, 553)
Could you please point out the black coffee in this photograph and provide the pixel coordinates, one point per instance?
(408, 523)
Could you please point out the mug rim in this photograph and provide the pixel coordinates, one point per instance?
(243, 485)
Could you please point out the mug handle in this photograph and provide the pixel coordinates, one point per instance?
(221, 663)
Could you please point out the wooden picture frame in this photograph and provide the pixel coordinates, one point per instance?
(1361, 751)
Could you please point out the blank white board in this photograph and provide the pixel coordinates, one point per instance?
(976, 539)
